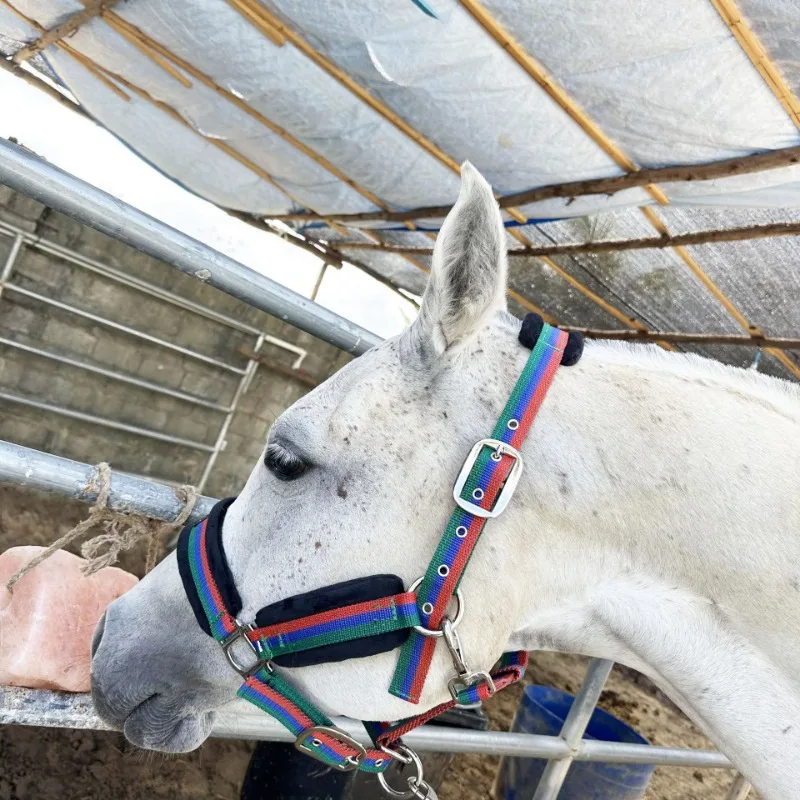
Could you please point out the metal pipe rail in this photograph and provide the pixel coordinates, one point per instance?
(238, 720)
(34, 177)
(23, 466)
(30, 175)
(23, 238)
(33, 469)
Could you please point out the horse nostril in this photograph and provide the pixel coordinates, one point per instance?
(98, 634)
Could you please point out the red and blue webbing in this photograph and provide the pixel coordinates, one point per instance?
(344, 624)
(488, 474)
(222, 624)
(510, 668)
(278, 698)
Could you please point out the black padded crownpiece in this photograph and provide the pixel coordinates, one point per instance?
(529, 334)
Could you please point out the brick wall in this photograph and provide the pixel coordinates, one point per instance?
(34, 323)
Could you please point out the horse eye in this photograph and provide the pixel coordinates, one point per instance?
(285, 466)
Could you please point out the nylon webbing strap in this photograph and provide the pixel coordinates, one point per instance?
(271, 693)
(510, 668)
(488, 474)
(338, 625)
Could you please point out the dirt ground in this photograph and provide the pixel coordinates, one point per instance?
(47, 764)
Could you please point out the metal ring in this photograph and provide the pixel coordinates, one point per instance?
(443, 570)
(495, 456)
(461, 531)
(477, 494)
(414, 782)
(455, 621)
(512, 424)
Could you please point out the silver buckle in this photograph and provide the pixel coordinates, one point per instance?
(350, 763)
(231, 639)
(504, 497)
(461, 682)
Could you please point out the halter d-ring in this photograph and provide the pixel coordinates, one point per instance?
(454, 623)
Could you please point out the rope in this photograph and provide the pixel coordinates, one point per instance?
(121, 530)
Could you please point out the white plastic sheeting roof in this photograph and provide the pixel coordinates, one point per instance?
(668, 83)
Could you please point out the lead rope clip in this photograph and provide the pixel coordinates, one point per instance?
(465, 677)
(417, 787)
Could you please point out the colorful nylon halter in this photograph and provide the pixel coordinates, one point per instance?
(482, 491)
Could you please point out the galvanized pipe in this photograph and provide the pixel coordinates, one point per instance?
(239, 720)
(5, 273)
(118, 326)
(99, 268)
(104, 422)
(34, 177)
(740, 789)
(580, 713)
(23, 466)
(116, 376)
(221, 441)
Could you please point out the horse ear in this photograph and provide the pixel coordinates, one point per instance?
(468, 278)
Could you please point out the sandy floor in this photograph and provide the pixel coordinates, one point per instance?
(40, 764)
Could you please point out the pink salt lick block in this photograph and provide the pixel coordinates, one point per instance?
(46, 624)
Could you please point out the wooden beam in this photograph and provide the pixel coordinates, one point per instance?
(616, 245)
(33, 79)
(743, 165)
(696, 338)
(93, 9)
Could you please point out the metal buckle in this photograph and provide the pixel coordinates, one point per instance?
(504, 497)
(350, 763)
(231, 639)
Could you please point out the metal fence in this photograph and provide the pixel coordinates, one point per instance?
(22, 239)
(29, 175)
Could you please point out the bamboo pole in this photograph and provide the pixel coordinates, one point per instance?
(762, 340)
(750, 232)
(33, 79)
(759, 57)
(93, 8)
(555, 92)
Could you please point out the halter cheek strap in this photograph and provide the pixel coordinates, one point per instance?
(371, 615)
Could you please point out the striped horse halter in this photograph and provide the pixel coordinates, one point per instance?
(370, 615)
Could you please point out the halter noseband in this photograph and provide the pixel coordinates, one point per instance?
(376, 614)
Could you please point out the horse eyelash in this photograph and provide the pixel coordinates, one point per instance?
(282, 463)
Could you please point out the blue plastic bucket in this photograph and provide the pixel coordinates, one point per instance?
(543, 710)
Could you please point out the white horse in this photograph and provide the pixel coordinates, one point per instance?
(657, 523)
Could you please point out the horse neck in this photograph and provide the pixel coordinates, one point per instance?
(632, 542)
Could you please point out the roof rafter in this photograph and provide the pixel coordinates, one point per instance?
(745, 233)
(93, 8)
(263, 20)
(742, 165)
(164, 57)
(560, 96)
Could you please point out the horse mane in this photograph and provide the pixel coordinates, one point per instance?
(778, 392)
